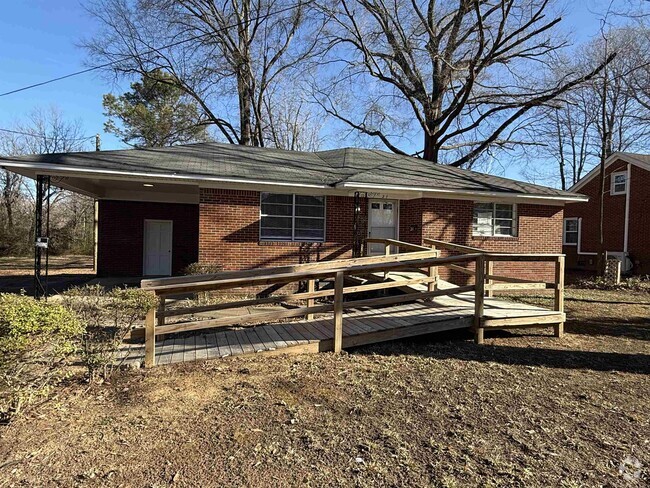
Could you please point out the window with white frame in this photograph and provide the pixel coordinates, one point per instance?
(619, 183)
(287, 217)
(571, 229)
(494, 219)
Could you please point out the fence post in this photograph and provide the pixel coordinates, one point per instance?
(150, 339)
(311, 287)
(490, 271)
(559, 294)
(338, 312)
(479, 297)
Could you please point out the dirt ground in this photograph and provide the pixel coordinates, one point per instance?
(526, 409)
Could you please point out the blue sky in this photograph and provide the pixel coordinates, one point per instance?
(38, 41)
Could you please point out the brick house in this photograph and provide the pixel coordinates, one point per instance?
(159, 210)
(626, 233)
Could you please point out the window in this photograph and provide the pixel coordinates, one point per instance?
(286, 217)
(570, 231)
(619, 183)
(494, 219)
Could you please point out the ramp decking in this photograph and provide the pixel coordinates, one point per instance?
(360, 327)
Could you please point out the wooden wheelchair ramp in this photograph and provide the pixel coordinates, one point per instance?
(343, 316)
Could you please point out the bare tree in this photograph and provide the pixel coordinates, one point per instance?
(292, 122)
(47, 131)
(227, 55)
(580, 129)
(43, 131)
(466, 72)
(11, 184)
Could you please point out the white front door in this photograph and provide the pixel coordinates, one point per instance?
(382, 223)
(157, 248)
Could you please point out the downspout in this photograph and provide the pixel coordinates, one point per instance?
(627, 208)
(579, 251)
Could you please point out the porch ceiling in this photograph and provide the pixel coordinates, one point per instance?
(139, 189)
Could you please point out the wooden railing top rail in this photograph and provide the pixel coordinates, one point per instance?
(396, 243)
(272, 276)
(451, 246)
(152, 283)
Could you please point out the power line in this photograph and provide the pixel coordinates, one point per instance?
(151, 51)
(17, 132)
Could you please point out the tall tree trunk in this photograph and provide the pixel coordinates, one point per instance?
(600, 262)
(243, 89)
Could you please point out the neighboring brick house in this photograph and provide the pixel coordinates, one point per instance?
(626, 233)
(159, 210)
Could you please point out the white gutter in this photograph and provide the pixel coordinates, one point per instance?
(352, 184)
(627, 207)
(57, 169)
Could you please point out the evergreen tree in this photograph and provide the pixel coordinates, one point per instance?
(155, 113)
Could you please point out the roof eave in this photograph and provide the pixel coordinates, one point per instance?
(558, 199)
(56, 169)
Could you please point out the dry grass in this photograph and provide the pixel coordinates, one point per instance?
(71, 264)
(524, 410)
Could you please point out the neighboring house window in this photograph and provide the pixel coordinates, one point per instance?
(570, 231)
(619, 183)
(286, 217)
(494, 219)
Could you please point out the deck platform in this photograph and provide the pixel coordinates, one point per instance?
(361, 326)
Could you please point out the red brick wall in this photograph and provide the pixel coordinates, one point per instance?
(410, 221)
(121, 235)
(229, 229)
(539, 231)
(639, 231)
(614, 221)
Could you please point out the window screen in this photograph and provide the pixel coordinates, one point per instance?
(494, 219)
(286, 217)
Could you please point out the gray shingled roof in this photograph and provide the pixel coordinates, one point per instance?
(331, 168)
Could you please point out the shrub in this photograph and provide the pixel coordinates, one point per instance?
(202, 297)
(202, 268)
(109, 316)
(36, 339)
(632, 283)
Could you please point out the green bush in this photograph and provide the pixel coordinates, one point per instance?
(36, 339)
(109, 315)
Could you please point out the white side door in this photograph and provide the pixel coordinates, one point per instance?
(382, 223)
(157, 248)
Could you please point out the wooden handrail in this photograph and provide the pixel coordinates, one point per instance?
(271, 277)
(452, 247)
(392, 242)
(152, 283)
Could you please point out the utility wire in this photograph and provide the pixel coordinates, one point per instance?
(151, 51)
(10, 131)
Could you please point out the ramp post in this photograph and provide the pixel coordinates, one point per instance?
(558, 330)
(338, 312)
(311, 288)
(479, 298)
(150, 339)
